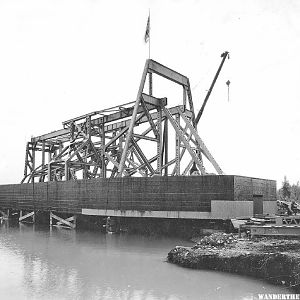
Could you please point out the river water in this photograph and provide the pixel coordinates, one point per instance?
(39, 263)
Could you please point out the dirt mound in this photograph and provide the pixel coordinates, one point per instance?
(276, 261)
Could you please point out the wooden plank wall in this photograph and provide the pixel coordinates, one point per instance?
(246, 187)
(178, 193)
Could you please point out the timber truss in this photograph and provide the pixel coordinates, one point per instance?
(140, 138)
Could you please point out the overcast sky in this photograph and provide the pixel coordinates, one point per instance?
(61, 59)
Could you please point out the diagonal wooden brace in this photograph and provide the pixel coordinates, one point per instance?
(70, 219)
(201, 143)
(28, 215)
(69, 222)
(4, 215)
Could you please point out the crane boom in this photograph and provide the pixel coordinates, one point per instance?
(224, 56)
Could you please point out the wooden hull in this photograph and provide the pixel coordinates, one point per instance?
(191, 197)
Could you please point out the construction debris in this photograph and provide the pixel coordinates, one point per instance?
(216, 239)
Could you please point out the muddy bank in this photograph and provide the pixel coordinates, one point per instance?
(274, 260)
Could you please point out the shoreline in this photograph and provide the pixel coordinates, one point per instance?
(276, 261)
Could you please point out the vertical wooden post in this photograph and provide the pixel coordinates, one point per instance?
(184, 96)
(60, 147)
(159, 142)
(66, 171)
(150, 84)
(33, 160)
(166, 145)
(49, 172)
(72, 129)
(49, 165)
(177, 153)
(103, 170)
(88, 126)
(26, 160)
(86, 152)
(43, 154)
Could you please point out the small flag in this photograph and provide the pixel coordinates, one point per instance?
(147, 32)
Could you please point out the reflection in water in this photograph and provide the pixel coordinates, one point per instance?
(43, 263)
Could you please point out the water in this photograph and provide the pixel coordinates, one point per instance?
(39, 263)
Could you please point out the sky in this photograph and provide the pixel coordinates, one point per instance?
(62, 59)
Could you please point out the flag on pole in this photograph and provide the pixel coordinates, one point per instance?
(147, 32)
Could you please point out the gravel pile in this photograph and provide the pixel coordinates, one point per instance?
(216, 240)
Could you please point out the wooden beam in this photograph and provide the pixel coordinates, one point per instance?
(62, 221)
(136, 167)
(154, 101)
(166, 72)
(159, 142)
(188, 167)
(145, 137)
(177, 148)
(151, 160)
(181, 135)
(142, 155)
(51, 135)
(166, 146)
(70, 219)
(146, 111)
(133, 120)
(114, 162)
(4, 215)
(23, 217)
(201, 143)
(64, 133)
(165, 166)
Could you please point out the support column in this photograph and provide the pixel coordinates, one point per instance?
(49, 165)
(159, 142)
(184, 96)
(165, 141)
(103, 170)
(26, 160)
(66, 171)
(43, 154)
(177, 153)
(33, 160)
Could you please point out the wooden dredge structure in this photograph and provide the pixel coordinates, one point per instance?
(133, 160)
(108, 143)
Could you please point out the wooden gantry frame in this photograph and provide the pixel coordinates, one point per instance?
(132, 139)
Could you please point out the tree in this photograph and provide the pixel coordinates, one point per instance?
(285, 191)
(295, 192)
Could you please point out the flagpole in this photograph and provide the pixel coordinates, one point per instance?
(150, 74)
(149, 46)
(149, 32)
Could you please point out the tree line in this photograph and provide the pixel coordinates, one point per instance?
(289, 192)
